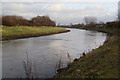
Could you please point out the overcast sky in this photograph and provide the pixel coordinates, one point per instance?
(62, 12)
(59, 0)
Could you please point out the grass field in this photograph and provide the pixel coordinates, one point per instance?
(25, 32)
(99, 63)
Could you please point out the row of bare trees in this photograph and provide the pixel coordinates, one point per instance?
(90, 20)
(93, 22)
(20, 21)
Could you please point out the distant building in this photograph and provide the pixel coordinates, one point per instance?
(99, 25)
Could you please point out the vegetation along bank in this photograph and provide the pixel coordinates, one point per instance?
(99, 63)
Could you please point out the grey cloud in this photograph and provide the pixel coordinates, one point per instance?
(59, 12)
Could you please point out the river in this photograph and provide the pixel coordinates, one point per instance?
(44, 52)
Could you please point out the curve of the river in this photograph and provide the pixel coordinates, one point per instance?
(44, 52)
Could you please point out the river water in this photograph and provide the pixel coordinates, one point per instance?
(45, 52)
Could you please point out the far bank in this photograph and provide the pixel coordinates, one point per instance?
(10, 33)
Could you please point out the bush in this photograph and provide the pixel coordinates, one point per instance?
(20, 21)
(114, 24)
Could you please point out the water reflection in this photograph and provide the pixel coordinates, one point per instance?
(45, 51)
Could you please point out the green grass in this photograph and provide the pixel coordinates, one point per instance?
(24, 32)
(99, 63)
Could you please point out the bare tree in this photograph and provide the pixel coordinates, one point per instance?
(71, 24)
(90, 20)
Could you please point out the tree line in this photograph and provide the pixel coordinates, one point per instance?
(20, 21)
(91, 21)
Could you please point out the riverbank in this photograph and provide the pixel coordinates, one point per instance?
(10, 33)
(99, 63)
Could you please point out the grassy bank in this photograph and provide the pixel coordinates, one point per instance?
(9, 33)
(99, 63)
